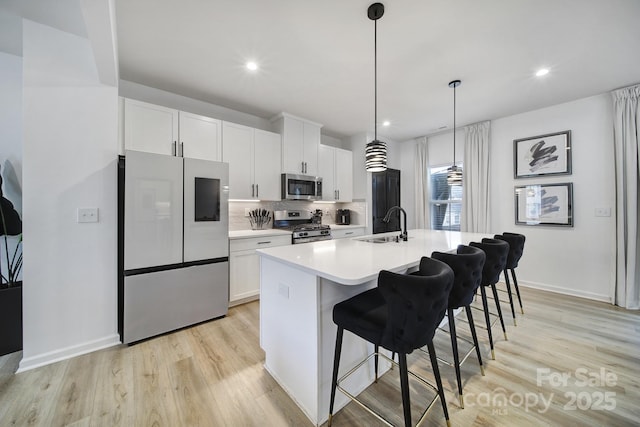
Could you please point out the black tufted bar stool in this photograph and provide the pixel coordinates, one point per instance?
(400, 315)
(516, 248)
(467, 264)
(496, 252)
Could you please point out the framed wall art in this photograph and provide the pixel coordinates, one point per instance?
(544, 204)
(548, 154)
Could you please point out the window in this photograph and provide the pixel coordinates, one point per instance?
(446, 200)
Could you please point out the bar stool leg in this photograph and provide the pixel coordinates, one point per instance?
(456, 358)
(334, 379)
(515, 285)
(404, 387)
(485, 306)
(495, 296)
(513, 310)
(436, 374)
(472, 327)
(375, 362)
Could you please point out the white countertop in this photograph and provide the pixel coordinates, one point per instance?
(351, 261)
(245, 234)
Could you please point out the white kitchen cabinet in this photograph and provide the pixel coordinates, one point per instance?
(200, 137)
(300, 144)
(254, 162)
(344, 233)
(244, 265)
(156, 129)
(150, 128)
(336, 170)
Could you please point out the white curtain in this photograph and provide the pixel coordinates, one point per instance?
(475, 215)
(626, 117)
(421, 187)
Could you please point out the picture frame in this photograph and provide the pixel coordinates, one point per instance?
(542, 155)
(544, 204)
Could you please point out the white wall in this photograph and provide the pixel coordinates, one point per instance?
(578, 260)
(70, 152)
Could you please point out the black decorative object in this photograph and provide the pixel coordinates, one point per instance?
(454, 173)
(376, 151)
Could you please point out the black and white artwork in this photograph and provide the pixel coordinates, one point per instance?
(542, 155)
(544, 204)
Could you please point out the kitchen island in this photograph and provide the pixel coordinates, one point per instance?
(300, 284)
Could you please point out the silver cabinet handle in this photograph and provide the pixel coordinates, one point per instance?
(338, 194)
(253, 189)
(350, 232)
(173, 148)
(257, 191)
(182, 149)
(264, 243)
(302, 167)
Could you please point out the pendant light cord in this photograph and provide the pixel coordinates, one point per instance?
(454, 125)
(375, 80)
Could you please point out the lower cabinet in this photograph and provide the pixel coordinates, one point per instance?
(244, 266)
(347, 232)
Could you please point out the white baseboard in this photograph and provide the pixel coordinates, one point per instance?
(566, 291)
(33, 362)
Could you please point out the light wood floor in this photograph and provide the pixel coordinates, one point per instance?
(212, 375)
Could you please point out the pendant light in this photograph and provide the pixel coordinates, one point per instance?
(376, 151)
(454, 173)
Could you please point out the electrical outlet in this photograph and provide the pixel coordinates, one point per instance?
(603, 212)
(246, 212)
(87, 214)
(283, 290)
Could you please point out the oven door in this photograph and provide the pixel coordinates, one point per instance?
(301, 187)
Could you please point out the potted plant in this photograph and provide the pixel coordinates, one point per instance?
(10, 285)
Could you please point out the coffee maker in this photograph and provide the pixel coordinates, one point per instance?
(343, 217)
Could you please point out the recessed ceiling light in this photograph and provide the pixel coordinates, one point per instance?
(542, 72)
(252, 66)
(386, 123)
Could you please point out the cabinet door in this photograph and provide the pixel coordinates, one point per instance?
(326, 170)
(244, 274)
(237, 150)
(292, 146)
(311, 141)
(200, 137)
(344, 174)
(150, 128)
(266, 149)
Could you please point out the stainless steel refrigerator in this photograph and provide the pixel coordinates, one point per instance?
(173, 243)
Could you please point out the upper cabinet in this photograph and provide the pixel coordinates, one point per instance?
(150, 128)
(200, 137)
(156, 129)
(336, 170)
(254, 162)
(300, 144)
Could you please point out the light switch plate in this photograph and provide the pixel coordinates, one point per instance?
(87, 214)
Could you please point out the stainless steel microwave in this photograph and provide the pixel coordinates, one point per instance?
(301, 187)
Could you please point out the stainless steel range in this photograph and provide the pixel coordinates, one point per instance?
(302, 225)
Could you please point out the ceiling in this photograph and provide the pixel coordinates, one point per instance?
(316, 58)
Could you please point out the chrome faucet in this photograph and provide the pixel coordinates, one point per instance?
(403, 235)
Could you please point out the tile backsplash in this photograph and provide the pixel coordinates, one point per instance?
(237, 220)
